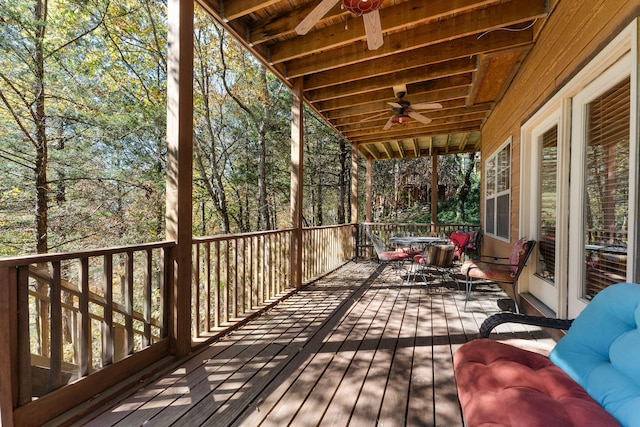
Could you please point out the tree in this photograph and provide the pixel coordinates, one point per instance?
(83, 84)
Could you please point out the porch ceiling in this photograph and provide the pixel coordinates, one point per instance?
(462, 54)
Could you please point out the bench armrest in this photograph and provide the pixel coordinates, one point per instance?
(497, 319)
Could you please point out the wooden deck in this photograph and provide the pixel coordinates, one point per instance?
(358, 348)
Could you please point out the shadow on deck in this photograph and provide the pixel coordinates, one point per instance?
(359, 347)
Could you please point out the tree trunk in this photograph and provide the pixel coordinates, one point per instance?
(263, 206)
(342, 182)
(465, 189)
(42, 207)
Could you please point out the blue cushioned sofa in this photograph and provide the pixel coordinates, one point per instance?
(592, 376)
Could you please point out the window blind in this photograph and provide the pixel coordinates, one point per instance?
(607, 187)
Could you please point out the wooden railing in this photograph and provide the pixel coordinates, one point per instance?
(69, 316)
(79, 324)
(325, 248)
(236, 275)
(385, 231)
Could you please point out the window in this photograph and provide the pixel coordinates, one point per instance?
(498, 193)
(607, 188)
(548, 191)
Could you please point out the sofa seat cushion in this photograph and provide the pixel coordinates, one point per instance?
(502, 385)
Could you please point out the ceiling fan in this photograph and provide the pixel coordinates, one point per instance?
(403, 111)
(367, 8)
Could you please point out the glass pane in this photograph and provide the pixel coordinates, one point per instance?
(504, 169)
(491, 177)
(502, 220)
(548, 195)
(607, 186)
(490, 215)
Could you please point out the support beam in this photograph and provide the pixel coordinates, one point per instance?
(179, 167)
(434, 193)
(369, 187)
(297, 163)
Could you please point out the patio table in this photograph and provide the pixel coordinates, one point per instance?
(413, 241)
(420, 242)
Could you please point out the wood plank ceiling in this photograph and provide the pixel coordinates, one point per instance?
(462, 54)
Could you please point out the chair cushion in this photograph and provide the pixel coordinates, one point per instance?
(439, 255)
(502, 385)
(487, 270)
(600, 351)
(410, 251)
(392, 255)
(473, 237)
(518, 253)
(460, 239)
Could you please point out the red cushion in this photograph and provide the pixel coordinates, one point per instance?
(460, 239)
(518, 253)
(489, 271)
(392, 255)
(502, 385)
(473, 236)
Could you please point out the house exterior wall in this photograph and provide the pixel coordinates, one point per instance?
(575, 32)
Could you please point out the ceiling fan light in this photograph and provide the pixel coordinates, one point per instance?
(361, 7)
(400, 119)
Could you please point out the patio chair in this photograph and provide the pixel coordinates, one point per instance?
(499, 270)
(439, 257)
(398, 256)
(466, 242)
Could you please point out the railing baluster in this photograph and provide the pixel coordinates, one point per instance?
(251, 283)
(195, 297)
(207, 289)
(146, 314)
(128, 301)
(83, 346)
(235, 278)
(216, 289)
(107, 325)
(227, 291)
(55, 319)
(20, 304)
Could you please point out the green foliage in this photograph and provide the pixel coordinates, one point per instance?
(104, 79)
(402, 191)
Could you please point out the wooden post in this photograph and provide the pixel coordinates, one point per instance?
(9, 342)
(369, 184)
(297, 162)
(179, 167)
(434, 193)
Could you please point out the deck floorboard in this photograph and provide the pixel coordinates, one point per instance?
(359, 347)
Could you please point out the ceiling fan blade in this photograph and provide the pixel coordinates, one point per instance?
(387, 125)
(314, 16)
(419, 117)
(373, 29)
(374, 117)
(394, 104)
(426, 106)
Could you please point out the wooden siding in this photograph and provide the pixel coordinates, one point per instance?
(358, 347)
(574, 33)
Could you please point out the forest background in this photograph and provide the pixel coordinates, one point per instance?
(83, 148)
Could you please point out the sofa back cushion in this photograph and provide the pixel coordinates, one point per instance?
(601, 351)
